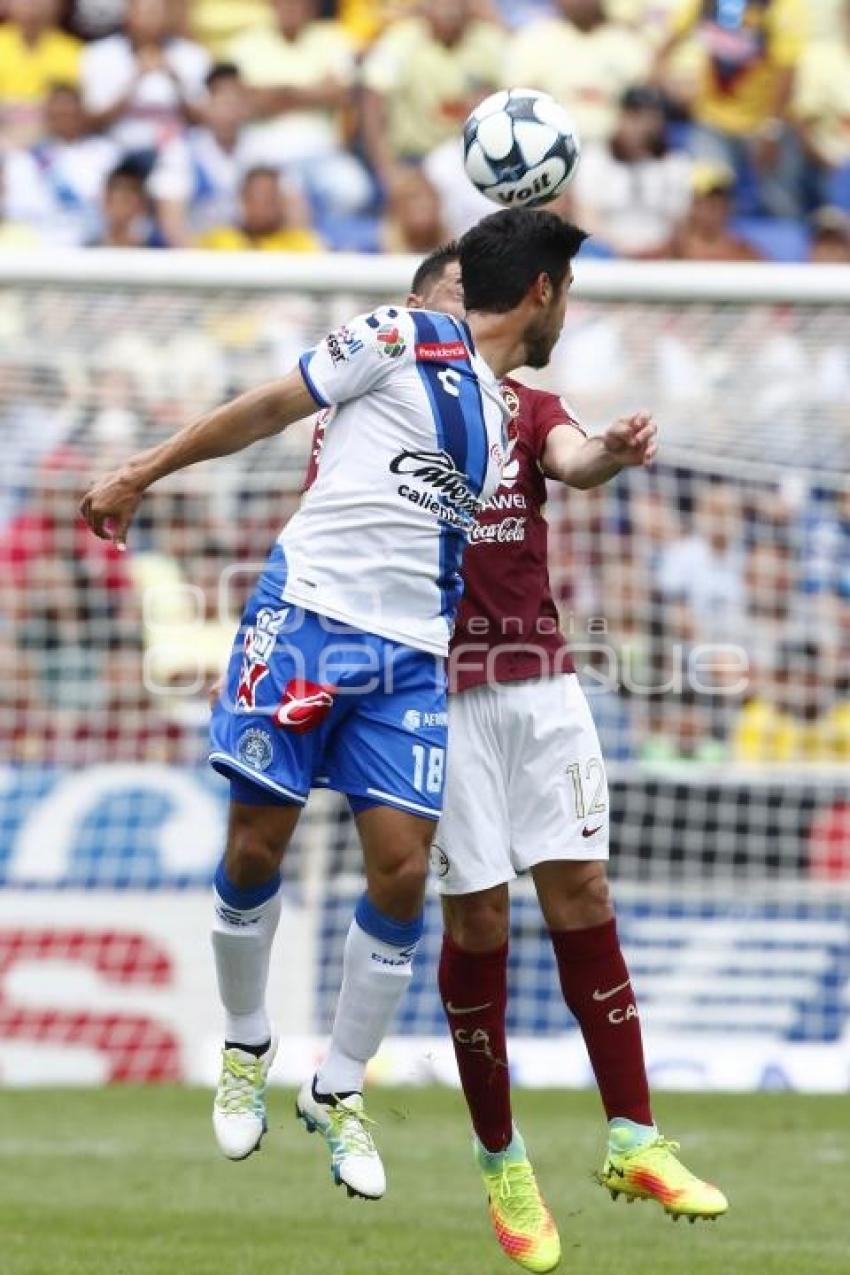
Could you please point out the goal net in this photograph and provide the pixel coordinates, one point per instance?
(706, 601)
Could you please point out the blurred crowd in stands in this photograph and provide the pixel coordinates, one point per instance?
(712, 129)
(707, 601)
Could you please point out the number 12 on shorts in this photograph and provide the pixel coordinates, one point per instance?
(594, 776)
(428, 768)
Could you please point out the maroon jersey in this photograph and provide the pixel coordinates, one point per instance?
(507, 626)
(316, 448)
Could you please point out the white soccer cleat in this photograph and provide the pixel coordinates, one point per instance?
(239, 1110)
(355, 1162)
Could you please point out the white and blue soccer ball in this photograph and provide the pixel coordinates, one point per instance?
(521, 148)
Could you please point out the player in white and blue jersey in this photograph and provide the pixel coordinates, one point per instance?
(338, 675)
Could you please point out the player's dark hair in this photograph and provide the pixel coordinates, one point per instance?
(431, 267)
(222, 71)
(501, 257)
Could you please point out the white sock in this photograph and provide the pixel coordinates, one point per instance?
(376, 974)
(242, 943)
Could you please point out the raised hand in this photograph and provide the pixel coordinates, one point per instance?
(632, 440)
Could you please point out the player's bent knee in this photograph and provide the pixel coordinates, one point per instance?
(256, 841)
(398, 888)
(478, 922)
(574, 896)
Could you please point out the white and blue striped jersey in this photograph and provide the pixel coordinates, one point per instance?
(414, 447)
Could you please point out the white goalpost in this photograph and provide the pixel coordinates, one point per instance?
(707, 603)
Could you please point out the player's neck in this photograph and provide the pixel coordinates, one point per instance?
(499, 341)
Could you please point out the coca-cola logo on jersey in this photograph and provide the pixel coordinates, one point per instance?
(506, 531)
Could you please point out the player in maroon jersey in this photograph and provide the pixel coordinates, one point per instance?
(526, 791)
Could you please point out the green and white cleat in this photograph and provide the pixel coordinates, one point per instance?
(343, 1123)
(239, 1109)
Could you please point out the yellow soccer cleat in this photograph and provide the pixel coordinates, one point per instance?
(654, 1172)
(524, 1226)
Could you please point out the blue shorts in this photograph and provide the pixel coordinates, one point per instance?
(309, 702)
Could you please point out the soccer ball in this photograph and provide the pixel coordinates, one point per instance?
(520, 148)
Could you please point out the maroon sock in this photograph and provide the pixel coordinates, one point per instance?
(596, 986)
(474, 990)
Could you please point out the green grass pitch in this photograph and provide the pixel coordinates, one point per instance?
(127, 1182)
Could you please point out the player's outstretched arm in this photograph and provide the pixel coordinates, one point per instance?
(109, 505)
(582, 462)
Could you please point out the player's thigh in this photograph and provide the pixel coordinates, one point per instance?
(274, 714)
(391, 747)
(396, 846)
(471, 849)
(557, 787)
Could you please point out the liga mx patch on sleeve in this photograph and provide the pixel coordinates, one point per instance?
(390, 341)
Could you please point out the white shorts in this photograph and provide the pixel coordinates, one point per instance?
(525, 784)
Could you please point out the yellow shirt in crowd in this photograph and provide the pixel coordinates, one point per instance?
(427, 86)
(322, 51)
(764, 733)
(233, 239)
(822, 98)
(365, 19)
(776, 33)
(27, 72)
(215, 23)
(588, 71)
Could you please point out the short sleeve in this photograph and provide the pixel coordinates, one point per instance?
(549, 411)
(357, 357)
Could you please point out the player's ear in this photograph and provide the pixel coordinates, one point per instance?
(414, 301)
(542, 289)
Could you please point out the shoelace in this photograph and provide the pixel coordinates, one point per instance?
(239, 1084)
(518, 1190)
(663, 1149)
(349, 1127)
